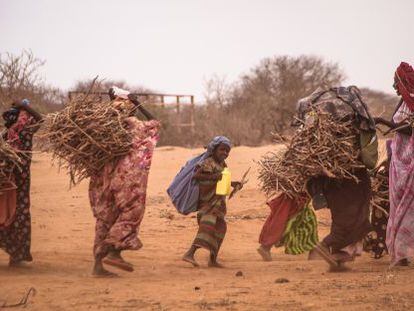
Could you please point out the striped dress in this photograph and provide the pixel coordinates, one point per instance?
(211, 210)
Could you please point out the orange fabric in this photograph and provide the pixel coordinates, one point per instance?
(282, 208)
(7, 208)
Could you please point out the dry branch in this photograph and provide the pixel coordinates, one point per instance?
(9, 161)
(322, 147)
(380, 191)
(87, 134)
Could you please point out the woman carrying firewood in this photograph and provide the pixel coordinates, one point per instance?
(118, 192)
(400, 228)
(21, 122)
(349, 203)
(348, 199)
(326, 160)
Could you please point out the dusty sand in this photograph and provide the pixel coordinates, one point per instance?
(63, 230)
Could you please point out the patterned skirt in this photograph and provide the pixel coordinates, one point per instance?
(211, 232)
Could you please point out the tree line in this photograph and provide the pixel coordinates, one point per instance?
(261, 101)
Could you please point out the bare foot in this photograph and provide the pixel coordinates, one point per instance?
(190, 259)
(115, 259)
(323, 251)
(100, 271)
(118, 263)
(338, 268)
(314, 255)
(214, 264)
(17, 264)
(266, 256)
(342, 257)
(403, 263)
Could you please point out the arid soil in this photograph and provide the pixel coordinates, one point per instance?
(63, 231)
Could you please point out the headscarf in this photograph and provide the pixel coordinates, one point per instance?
(218, 140)
(184, 190)
(405, 83)
(118, 92)
(25, 102)
(339, 102)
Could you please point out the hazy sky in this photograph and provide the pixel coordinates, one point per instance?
(173, 46)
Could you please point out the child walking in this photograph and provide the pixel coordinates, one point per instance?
(211, 207)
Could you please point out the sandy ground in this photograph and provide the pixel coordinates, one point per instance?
(63, 230)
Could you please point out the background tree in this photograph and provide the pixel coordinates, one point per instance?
(264, 100)
(20, 78)
(247, 110)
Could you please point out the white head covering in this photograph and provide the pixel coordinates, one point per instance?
(120, 92)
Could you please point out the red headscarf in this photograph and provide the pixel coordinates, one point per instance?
(405, 83)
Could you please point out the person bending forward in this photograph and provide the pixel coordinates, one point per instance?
(118, 193)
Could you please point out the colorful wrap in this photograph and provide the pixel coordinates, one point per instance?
(405, 83)
(301, 233)
(282, 208)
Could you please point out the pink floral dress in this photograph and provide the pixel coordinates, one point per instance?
(117, 195)
(400, 228)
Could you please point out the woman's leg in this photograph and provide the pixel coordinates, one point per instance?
(101, 250)
(20, 231)
(220, 232)
(189, 255)
(264, 251)
(213, 263)
(99, 270)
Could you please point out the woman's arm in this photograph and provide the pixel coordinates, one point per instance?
(199, 175)
(401, 127)
(138, 104)
(235, 184)
(390, 124)
(404, 128)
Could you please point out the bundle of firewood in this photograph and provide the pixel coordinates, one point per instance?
(380, 190)
(374, 242)
(9, 161)
(322, 146)
(88, 134)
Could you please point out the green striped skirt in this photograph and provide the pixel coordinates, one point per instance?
(301, 233)
(211, 232)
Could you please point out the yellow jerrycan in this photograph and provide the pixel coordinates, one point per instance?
(224, 185)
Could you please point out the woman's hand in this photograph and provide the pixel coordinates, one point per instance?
(200, 175)
(134, 99)
(237, 184)
(390, 124)
(217, 176)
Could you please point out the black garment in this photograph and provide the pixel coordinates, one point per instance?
(16, 238)
(349, 204)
